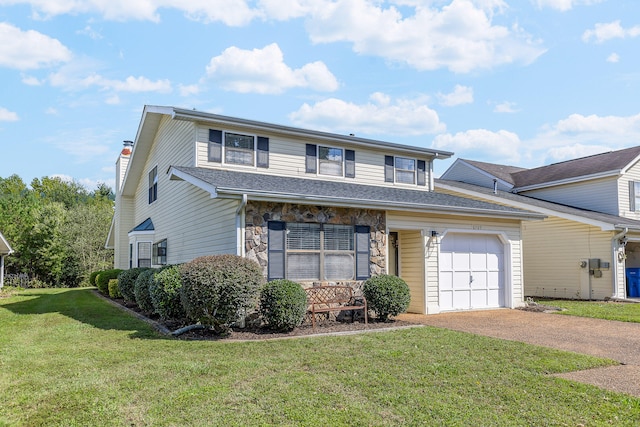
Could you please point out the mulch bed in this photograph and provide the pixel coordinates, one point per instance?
(262, 332)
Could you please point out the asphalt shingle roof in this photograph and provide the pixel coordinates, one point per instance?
(591, 165)
(324, 191)
(614, 220)
(502, 172)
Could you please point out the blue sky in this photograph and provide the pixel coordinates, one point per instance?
(524, 83)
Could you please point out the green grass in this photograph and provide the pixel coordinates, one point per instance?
(607, 310)
(68, 358)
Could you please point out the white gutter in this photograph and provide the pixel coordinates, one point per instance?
(240, 219)
(614, 259)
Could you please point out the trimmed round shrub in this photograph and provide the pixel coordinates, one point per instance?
(283, 304)
(113, 289)
(92, 278)
(165, 293)
(127, 281)
(216, 288)
(102, 280)
(141, 290)
(386, 295)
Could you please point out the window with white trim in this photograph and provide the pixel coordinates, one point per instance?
(153, 185)
(405, 170)
(160, 252)
(144, 254)
(311, 251)
(634, 196)
(330, 161)
(239, 149)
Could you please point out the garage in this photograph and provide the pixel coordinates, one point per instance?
(471, 271)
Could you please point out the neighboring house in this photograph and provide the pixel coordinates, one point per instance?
(5, 250)
(591, 235)
(310, 206)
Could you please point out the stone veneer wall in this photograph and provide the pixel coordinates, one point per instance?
(259, 213)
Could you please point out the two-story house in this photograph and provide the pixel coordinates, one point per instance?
(592, 231)
(310, 206)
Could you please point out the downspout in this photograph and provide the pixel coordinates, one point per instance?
(1, 271)
(614, 259)
(240, 226)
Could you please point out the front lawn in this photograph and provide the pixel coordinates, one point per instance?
(68, 358)
(607, 310)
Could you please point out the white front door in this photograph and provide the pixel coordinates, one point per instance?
(471, 272)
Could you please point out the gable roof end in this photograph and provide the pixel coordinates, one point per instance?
(599, 165)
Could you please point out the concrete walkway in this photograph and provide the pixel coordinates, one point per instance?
(619, 341)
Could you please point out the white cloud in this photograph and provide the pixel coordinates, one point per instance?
(505, 107)
(460, 36)
(264, 71)
(503, 146)
(76, 76)
(90, 32)
(579, 135)
(382, 115)
(564, 5)
(614, 58)
(230, 12)
(8, 116)
(31, 80)
(187, 90)
(608, 31)
(460, 95)
(26, 50)
(83, 145)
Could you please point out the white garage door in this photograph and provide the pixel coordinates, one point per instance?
(471, 272)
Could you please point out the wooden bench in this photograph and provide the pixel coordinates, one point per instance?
(329, 298)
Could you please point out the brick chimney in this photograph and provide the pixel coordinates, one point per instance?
(122, 163)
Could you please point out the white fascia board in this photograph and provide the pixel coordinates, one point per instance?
(573, 180)
(176, 175)
(5, 247)
(256, 126)
(604, 226)
(629, 165)
(110, 243)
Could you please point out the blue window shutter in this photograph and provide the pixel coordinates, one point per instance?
(277, 244)
(215, 145)
(263, 152)
(388, 169)
(362, 252)
(349, 163)
(311, 158)
(422, 173)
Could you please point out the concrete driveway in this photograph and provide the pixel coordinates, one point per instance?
(619, 341)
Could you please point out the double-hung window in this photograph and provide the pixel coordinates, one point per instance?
(153, 185)
(238, 149)
(311, 251)
(634, 196)
(405, 170)
(330, 161)
(160, 252)
(144, 254)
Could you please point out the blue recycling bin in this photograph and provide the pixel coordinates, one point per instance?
(633, 282)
